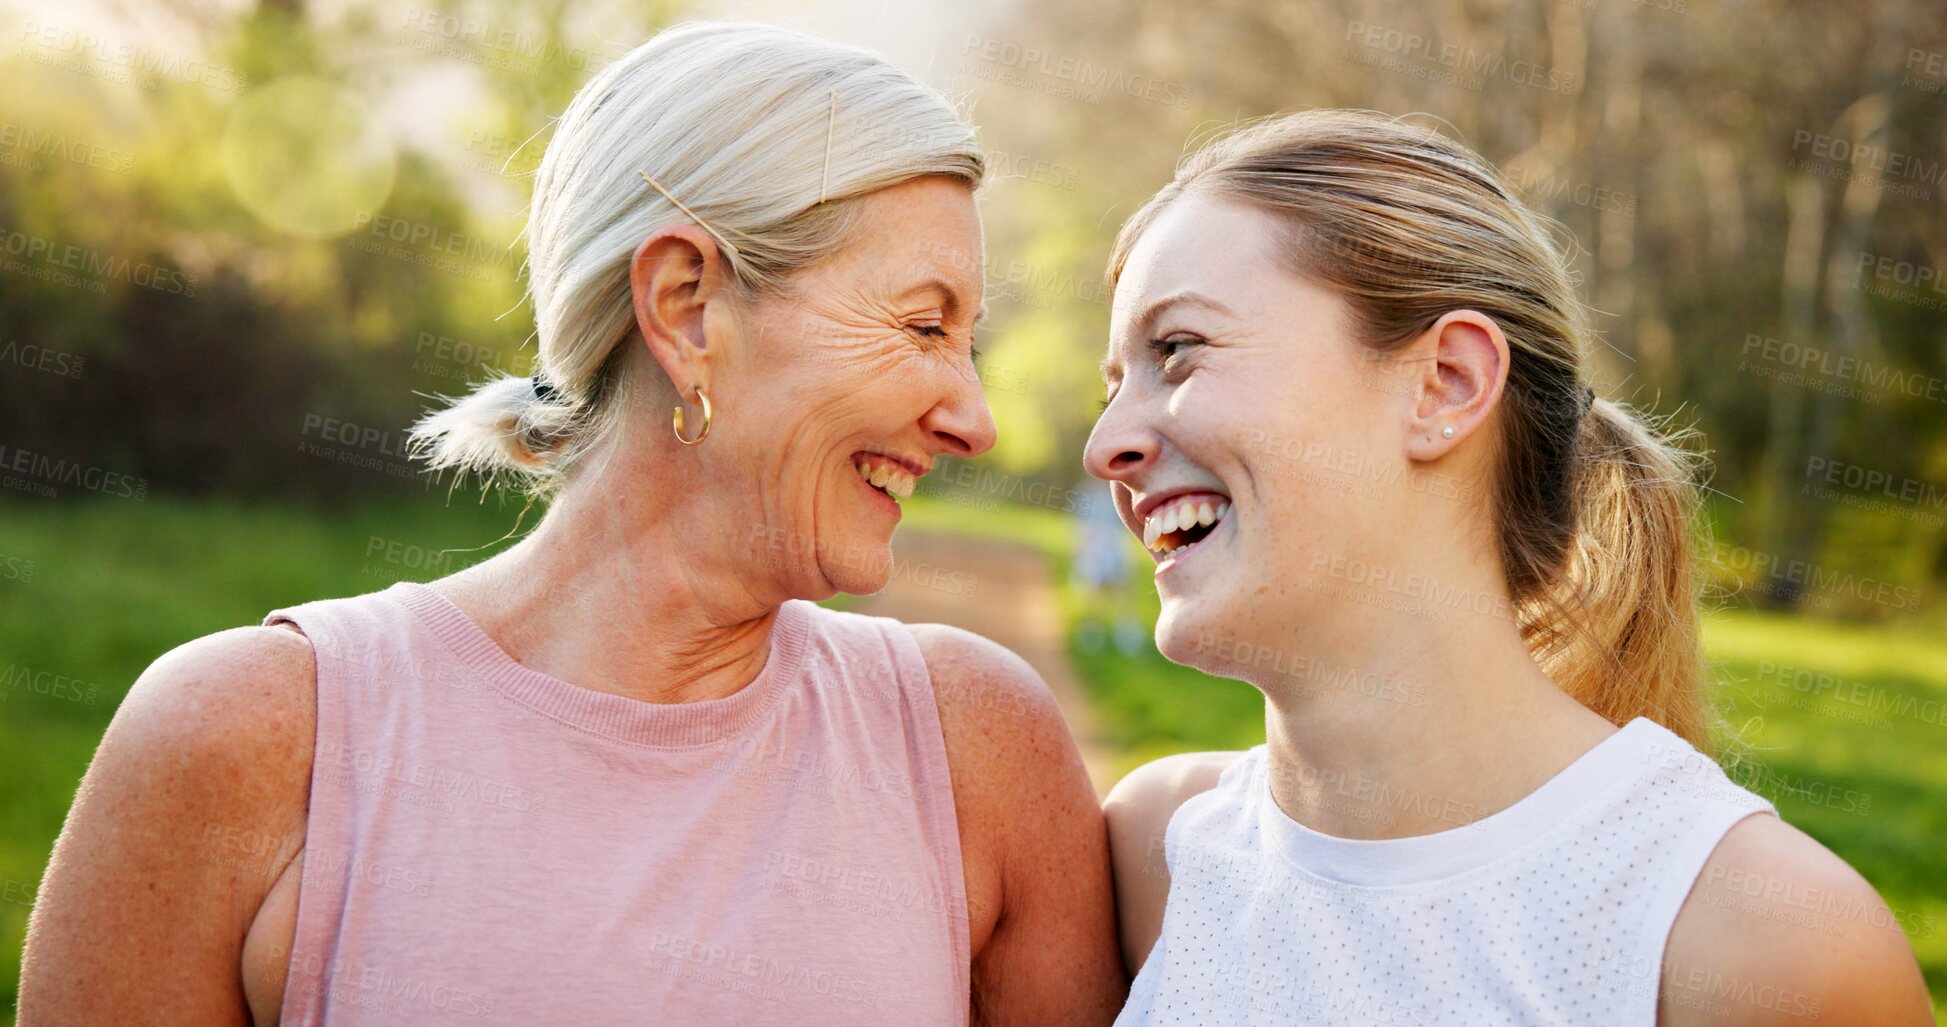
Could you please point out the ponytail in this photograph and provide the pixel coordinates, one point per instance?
(504, 426)
(1617, 629)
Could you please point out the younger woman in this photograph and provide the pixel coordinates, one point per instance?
(1350, 415)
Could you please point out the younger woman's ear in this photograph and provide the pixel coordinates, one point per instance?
(1464, 367)
(672, 278)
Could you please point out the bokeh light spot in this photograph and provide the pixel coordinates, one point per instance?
(305, 156)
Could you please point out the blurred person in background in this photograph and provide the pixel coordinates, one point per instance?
(1350, 417)
(627, 771)
(1100, 576)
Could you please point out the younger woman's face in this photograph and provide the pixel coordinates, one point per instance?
(1238, 395)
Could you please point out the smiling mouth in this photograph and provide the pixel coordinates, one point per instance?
(884, 474)
(1184, 522)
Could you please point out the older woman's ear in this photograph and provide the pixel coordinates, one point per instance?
(673, 276)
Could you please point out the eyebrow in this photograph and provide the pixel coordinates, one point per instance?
(946, 289)
(1146, 321)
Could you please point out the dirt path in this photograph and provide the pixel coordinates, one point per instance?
(1005, 592)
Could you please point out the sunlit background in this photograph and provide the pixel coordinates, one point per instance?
(241, 245)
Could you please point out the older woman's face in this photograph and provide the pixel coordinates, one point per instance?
(863, 375)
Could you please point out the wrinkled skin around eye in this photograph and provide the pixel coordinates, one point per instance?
(869, 352)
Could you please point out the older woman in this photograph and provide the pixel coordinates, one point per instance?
(626, 772)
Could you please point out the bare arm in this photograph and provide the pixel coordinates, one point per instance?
(1778, 930)
(191, 808)
(1032, 837)
(1139, 808)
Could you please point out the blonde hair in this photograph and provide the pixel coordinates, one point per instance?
(765, 136)
(1594, 506)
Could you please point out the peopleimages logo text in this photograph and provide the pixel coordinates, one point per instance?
(1071, 69)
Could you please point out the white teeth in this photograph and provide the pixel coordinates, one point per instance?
(1180, 517)
(895, 480)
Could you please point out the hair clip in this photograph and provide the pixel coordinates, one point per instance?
(705, 225)
(830, 124)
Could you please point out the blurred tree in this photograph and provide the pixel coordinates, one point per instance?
(1754, 189)
(216, 350)
(1725, 171)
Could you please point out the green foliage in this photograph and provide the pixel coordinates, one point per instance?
(1670, 154)
(213, 335)
(214, 380)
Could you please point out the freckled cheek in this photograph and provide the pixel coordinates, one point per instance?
(1226, 432)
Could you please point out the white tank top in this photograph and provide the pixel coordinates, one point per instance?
(1552, 911)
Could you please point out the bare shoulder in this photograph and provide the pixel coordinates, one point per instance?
(193, 804)
(974, 675)
(1161, 785)
(1004, 732)
(233, 690)
(1778, 930)
(235, 711)
(1039, 903)
(1139, 809)
(1014, 761)
(227, 718)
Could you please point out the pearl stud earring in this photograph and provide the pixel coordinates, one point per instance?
(1447, 432)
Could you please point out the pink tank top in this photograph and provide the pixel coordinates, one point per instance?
(489, 844)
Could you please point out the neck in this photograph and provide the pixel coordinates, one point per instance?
(614, 595)
(1415, 726)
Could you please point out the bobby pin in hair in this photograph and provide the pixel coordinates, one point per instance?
(830, 123)
(721, 241)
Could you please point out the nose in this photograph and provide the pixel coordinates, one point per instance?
(1119, 447)
(961, 425)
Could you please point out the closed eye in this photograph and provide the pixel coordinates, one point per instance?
(939, 331)
(1169, 347)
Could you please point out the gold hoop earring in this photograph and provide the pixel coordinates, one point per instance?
(704, 399)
